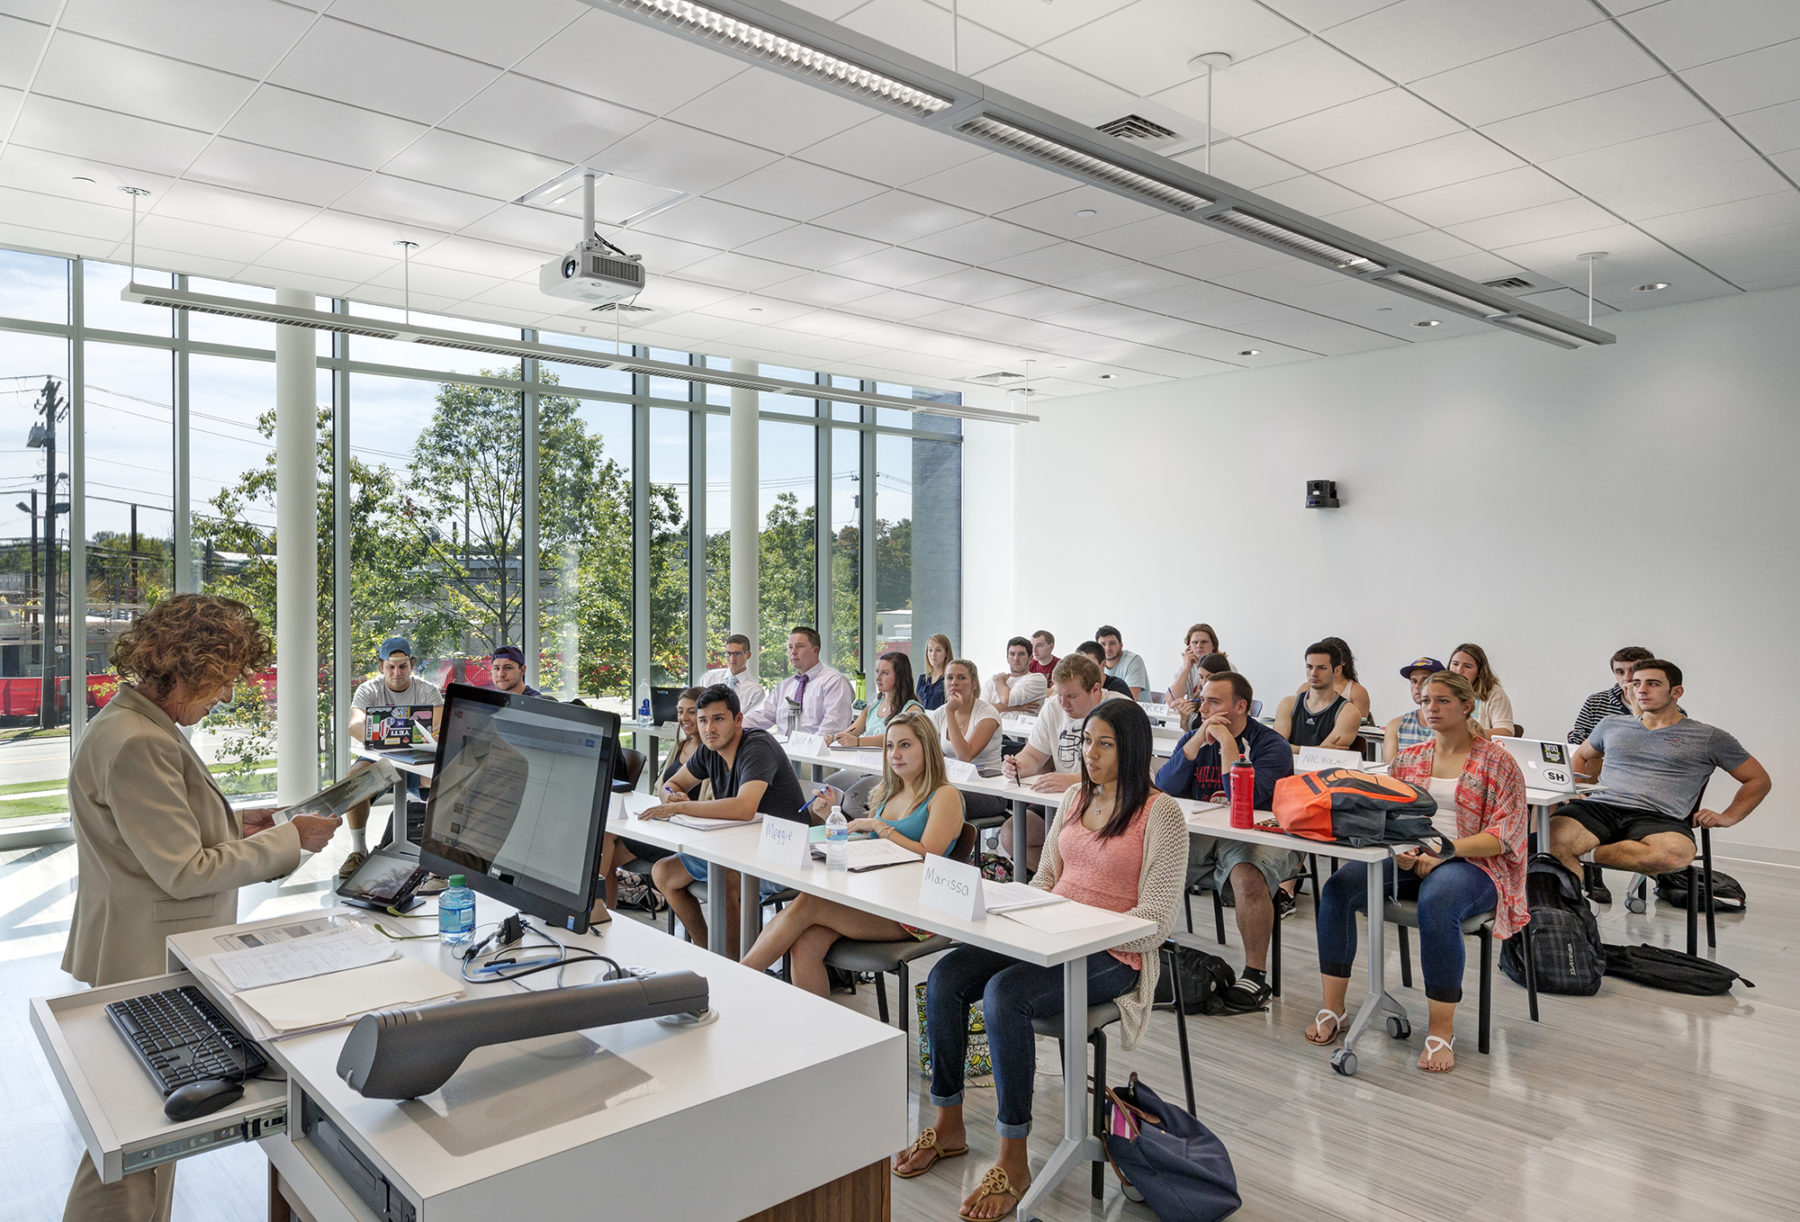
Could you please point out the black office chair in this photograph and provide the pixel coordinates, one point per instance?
(1405, 915)
(628, 769)
(1309, 870)
(1699, 877)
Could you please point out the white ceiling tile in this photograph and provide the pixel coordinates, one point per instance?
(1328, 14)
(20, 43)
(699, 326)
(1221, 259)
(496, 34)
(896, 304)
(1763, 212)
(1061, 214)
(1773, 129)
(1127, 282)
(1418, 38)
(1189, 300)
(811, 247)
(982, 241)
(1435, 163)
(258, 33)
(1343, 341)
(293, 256)
(1176, 364)
(615, 58)
(1574, 65)
(796, 188)
(1055, 86)
(81, 69)
(516, 294)
(264, 171)
(193, 201)
(710, 223)
(1032, 21)
(1689, 149)
(829, 323)
(896, 217)
(1146, 46)
(400, 199)
(104, 221)
(197, 237)
(48, 173)
(1431, 245)
(895, 268)
(1055, 264)
(891, 151)
(1742, 245)
(1533, 224)
(824, 289)
(1558, 259)
(1376, 222)
(671, 293)
(476, 166)
(759, 311)
(532, 228)
(1040, 302)
(177, 260)
(427, 281)
(306, 282)
(661, 254)
(971, 285)
(41, 11)
(528, 114)
(771, 110)
(367, 235)
(365, 68)
(1292, 80)
(482, 258)
(1241, 164)
(318, 127)
(1789, 163)
(923, 29)
(1153, 237)
(681, 158)
(1657, 105)
(1751, 81)
(10, 101)
(1525, 187)
(1361, 128)
(1278, 279)
(1688, 190)
(1312, 194)
(991, 183)
(1684, 33)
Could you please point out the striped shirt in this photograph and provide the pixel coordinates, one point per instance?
(1609, 703)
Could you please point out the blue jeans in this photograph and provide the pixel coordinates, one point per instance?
(1011, 995)
(1447, 896)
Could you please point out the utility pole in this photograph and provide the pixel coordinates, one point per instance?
(43, 436)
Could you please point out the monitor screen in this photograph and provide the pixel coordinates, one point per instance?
(519, 800)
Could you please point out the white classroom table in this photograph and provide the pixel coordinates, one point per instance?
(894, 893)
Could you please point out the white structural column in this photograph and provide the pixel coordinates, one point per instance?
(746, 524)
(296, 558)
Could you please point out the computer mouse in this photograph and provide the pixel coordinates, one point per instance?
(199, 1098)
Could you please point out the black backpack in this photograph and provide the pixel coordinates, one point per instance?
(1727, 892)
(1674, 970)
(1204, 979)
(1566, 951)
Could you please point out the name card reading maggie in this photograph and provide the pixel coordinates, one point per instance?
(952, 887)
(785, 842)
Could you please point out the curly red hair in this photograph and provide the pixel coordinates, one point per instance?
(202, 640)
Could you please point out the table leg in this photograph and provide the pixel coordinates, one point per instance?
(718, 905)
(1077, 1146)
(1380, 1004)
(749, 911)
(1021, 871)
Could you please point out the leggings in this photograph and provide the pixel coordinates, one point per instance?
(1447, 896)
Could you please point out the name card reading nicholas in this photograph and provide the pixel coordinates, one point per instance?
(785, 842)
(806, 744)
(952, 887)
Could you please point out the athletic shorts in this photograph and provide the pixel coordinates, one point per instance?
(1611, 824)
(1216, 856)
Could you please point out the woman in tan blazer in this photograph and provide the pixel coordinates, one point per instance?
(157, 847)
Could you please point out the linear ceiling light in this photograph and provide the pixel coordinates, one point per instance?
(1054, 152)
(1431, 294)
(791, 54)
(522, 349)
(1269, 233)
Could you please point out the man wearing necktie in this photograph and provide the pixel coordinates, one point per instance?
(735, 674)
(821, 695)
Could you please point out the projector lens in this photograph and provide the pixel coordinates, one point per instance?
(569, 266)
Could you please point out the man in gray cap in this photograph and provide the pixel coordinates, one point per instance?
(396, 685)
(507, 667)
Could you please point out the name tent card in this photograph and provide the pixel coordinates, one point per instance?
(806, 744)
(785, 842)
(960, 772)
(952, 887)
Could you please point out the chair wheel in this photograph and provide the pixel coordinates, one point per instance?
(1399, 1028)
(1344, 1061)
(1636, 904)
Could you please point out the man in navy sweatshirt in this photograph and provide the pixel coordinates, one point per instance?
(1201, 768)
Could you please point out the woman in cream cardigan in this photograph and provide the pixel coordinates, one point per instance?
(158, 849)
(1115, 843)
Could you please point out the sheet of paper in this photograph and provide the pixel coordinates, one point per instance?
(301, 1005)
(1005, 897)
(270, 935)
(699, 823)
(872, 854)
(1060, 918)
(336, 950)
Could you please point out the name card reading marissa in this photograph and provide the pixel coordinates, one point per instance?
(952, 887)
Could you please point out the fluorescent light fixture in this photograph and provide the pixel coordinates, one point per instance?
(1456, 303)
(438, 337)
(788, 53)
(1074, 160)
(1525, 326)
(1270, 233)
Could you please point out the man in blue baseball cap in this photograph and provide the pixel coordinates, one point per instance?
(507, 667)
(1406, 730)
(396, 685)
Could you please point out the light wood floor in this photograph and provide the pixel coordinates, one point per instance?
(1630, 1105)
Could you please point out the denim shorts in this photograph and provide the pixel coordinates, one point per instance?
(696, 869)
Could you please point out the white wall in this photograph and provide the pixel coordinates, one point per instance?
(1550, 505)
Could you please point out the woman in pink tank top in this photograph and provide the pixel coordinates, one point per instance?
(1115, 843)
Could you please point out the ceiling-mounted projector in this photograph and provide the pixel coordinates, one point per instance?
(596, 271)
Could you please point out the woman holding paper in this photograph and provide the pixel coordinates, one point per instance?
(913, 807)
(159, 850)
(1114, 843)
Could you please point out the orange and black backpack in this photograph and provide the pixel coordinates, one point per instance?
(1354, 808)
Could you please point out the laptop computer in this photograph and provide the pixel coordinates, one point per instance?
(662, 704)
(1546, 765)
(402, 731)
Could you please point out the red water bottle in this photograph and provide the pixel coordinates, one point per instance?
(1243, 793)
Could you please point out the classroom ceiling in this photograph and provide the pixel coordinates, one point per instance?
(291, 144)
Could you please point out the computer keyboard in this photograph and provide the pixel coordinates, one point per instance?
(180, 1037)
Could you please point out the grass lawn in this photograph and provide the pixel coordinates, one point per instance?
(58, 803)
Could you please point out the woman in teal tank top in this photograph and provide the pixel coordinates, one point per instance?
(917, 809)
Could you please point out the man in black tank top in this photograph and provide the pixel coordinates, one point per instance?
(1319, 717)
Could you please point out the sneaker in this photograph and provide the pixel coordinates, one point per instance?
(1285, 904)
(1595, 882)
(352, 864)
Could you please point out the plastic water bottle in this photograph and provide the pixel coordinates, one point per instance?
(456, 912)
(1243, 794)
(837, 840)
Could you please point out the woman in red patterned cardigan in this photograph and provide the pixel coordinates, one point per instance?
(1481, 809)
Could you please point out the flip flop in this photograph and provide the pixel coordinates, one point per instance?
(1337, 1027)
(927, 1140)
(1436, 1043)
(994, 1184)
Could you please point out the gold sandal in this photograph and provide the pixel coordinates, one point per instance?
(926, 1140)
(995, 1183)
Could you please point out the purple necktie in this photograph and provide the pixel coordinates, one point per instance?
(800, 690)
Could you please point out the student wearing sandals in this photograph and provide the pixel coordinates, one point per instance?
(917, 809)
(1480, 794)
(1116, 843)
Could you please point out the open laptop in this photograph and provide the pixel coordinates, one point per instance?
(402, 731)
(662, 704)
(1546, 765)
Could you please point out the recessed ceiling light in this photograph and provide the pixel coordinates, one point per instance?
(1655, 286)
(756, 309)
(1427, 322)
(83, 178)
(1084, 213)
(1251, 352)
(1106, 377)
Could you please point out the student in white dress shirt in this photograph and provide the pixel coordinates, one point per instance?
(735, 674)
(823, 694)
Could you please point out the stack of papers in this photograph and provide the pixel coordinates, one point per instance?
(1011, 897)
(324, 1001)
(1061, 918)
(699, 823)
(860, 855)
(336, 950)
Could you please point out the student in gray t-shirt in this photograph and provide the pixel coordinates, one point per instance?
(1657, 766)
(395, 685)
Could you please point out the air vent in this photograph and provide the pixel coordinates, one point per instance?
(1136, 127)
(1509, 283)
(997, 379)
(621, 307)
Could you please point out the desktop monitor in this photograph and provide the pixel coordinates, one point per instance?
(663, 701)
(519, 801)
